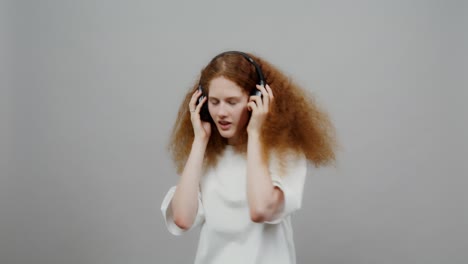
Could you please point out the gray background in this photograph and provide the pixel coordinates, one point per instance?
(90, 90)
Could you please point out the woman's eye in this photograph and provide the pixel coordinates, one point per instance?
(232, 103)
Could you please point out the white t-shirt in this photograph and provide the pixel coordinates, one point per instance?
(228, 235)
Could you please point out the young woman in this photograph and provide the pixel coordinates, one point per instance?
(241, 143)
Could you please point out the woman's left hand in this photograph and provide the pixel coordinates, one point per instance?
(260, 108)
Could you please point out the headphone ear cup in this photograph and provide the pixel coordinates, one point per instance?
(204, 112)
(256, 92)
(202, 96)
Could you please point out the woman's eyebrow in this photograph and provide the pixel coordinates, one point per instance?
(227, 98)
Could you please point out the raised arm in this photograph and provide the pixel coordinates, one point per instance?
(185, 201)
(265, 200)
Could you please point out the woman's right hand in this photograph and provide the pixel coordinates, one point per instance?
(201, 129)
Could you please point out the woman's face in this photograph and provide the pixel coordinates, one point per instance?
(227, 103)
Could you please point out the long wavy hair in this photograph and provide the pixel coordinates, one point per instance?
(294, 124)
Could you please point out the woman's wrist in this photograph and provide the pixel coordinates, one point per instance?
(253, 134)
(253, 140)
(199, 143)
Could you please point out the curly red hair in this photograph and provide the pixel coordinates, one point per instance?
(295, 122)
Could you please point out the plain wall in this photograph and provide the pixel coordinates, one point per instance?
(91, 90)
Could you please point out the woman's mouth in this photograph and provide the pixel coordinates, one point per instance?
(224, 125)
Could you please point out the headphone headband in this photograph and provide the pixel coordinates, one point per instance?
(261, 80)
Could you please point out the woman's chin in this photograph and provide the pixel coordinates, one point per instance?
(226, 134)
(234, 137)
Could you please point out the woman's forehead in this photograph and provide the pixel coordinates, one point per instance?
(221, 87)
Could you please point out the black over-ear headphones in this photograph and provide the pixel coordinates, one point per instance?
(204, 113)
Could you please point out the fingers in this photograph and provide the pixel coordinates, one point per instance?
(266, 97)
(270, 92)
(252, 106)
(199, 106)
(193, 101)
(263, 104)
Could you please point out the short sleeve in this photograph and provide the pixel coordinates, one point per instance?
(166, 210)
(290, 179)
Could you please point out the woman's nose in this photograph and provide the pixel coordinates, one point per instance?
(222, 110)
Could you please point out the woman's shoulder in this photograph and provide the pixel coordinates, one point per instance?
(287, 162)
(288, 155)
